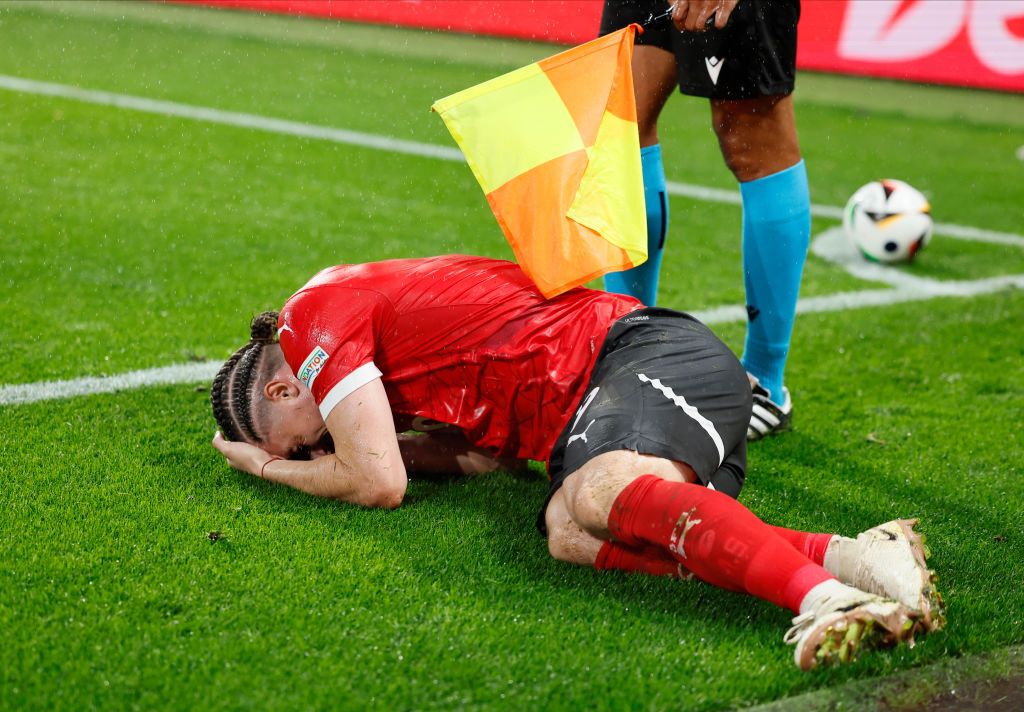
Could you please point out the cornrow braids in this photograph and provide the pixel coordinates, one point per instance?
(231, 394)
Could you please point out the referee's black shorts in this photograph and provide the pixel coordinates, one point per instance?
(663, 385)
(754, 55)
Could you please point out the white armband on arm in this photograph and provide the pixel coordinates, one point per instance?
(350, 383)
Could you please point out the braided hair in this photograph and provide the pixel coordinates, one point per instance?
(235, 389)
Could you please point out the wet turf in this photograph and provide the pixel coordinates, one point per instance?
(132, 240)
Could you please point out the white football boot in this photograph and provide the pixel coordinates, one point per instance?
(839, 628)
(767, 417)
(890, 560)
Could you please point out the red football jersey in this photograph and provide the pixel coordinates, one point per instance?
(463, 340)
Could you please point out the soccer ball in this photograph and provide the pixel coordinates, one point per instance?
(888, 221)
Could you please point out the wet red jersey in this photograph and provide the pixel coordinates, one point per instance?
(463, 340)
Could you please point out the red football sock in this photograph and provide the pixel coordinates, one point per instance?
(809, 544)
(645, 560)
(714, 536)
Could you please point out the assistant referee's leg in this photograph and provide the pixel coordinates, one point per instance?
(759, 143)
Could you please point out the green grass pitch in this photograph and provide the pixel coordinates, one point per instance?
(131, 240)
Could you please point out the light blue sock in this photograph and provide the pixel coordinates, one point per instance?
(642, 282)
(776, 234)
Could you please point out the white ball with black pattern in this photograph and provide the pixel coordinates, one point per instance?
(888, 221)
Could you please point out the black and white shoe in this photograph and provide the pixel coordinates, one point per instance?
(768, 418)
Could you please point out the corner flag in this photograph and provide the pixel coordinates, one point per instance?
(555, 147)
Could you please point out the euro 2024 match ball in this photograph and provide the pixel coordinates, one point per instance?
(888, 221)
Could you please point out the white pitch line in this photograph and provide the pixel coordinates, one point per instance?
(860, 299)
(977, 234)
(396, 145)
(834, 212)
(732, 197)
(195, 372)
(164, 376)
(230, 118)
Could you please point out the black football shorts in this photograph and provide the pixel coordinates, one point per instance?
(754, 55)
(663, 385)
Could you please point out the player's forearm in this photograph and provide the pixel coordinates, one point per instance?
(450, 453)
(427, 455)
(369, 484)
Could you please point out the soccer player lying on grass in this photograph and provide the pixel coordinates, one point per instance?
(641, 414)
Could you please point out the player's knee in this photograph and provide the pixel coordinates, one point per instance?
(588, 503)
(560, 528)
(559, 544)
(757, 136)
(738, 153)
(590, 492)
(566, 541)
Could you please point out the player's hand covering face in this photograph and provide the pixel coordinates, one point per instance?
(324, 445)
(242, 456)
(252, 459)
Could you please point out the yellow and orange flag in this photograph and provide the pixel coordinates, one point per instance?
(556, 150)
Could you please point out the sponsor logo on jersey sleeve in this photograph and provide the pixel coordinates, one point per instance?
(312, 366)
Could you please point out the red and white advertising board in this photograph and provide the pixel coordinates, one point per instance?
(976, 43)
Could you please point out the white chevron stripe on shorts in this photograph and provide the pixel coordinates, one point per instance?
(703, 422)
